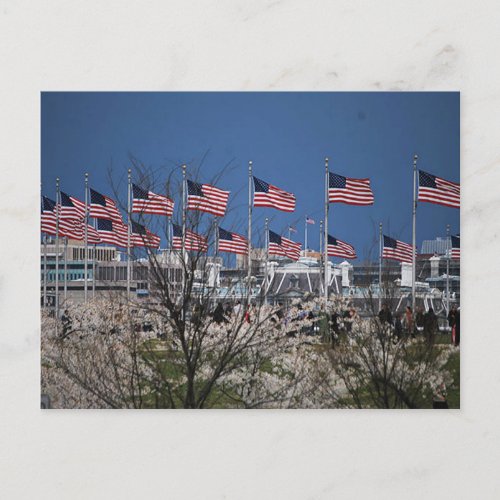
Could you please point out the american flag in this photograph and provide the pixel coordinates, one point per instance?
(278, 245)
(339, 248)
(309, 220)
(71, 208)
(232, 242)
(70, 228)
(147, 202)
(113, 232)
(193, 241)
(207, 198)
(437, 190)
(267, 195)
(92, 235)
(103, 207)
(455, 247)
(49, 221)
(351, 191)
(140, 236)
(292, 229)
(396, 250)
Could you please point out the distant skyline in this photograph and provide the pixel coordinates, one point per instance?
(287, 135)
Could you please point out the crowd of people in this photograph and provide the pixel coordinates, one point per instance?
(409, 325)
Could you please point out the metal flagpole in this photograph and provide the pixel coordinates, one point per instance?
(57, 252)
(289, 233)
(183, 249)
(249, 258)
(65, 267)
(305, 234)
(448, 269)
(86, 251)
(167, 228)
(94, 270)
(128, 232)
(44, 270)
(94, 267)
(266, 240)
(325, 240)
(216, 236)
(321, 237)
(380, 266)
(414, 233)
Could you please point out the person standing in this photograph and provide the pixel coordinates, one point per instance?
(451, 322)
(409, 321)
(457, 327)
(420, 319)
(430, 326)
(385, 315)
(398, 327)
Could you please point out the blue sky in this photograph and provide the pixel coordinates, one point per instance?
(286, 135)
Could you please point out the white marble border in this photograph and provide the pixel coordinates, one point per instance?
(241, 45)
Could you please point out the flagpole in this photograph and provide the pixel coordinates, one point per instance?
(44, 270)
(128, 231)
(216, 236)
(167, 229)
(249, 260)
(305, 234)
(289, 233)
(57, 253)
(65, 267)
(183, 246)
(86, 221)
(266, 240)
(448, 270)
(380, 266)
(321, 237)
(325, 240)
(414, 233)
(94, 271)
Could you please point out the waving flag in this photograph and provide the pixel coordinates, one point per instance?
(103, 207)
(396, 250)
(193, 240)
(68, 227)
(267, 195)
(278, 245)
(455, 247)
(339, 248)
(92, 235)
(207, 198)
(292, 229)
(113, 232)
(232, 242)
(434, 189)
(147, 202)
(142, 237)
(71, 208)
(350, 191)
(309, 220)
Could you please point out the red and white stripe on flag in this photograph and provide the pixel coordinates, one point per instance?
(434, 189)
(232, 242)
(397, 250)
(147, 202)
(267, 195)
(349, 190)
(207, 198)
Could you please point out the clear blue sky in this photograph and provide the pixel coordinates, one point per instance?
(286, 135)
